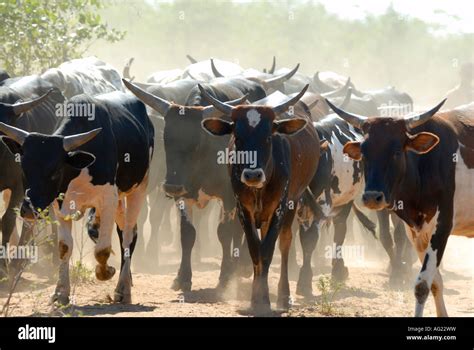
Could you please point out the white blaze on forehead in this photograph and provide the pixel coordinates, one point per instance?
(253, 117)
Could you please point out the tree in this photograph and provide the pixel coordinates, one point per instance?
(36, 34)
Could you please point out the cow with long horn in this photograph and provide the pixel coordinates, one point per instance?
(29, 103)
(420, 166)
(268, 190)
(98, 160)
(193, 176)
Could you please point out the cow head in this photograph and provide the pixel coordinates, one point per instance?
(182, 143)
(253, 129)
(43, 161)
(384, 151)
(9, 112)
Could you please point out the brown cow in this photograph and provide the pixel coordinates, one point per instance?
(421, 166)
(268, 191)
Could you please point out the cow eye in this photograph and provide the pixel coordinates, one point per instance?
(269, 139)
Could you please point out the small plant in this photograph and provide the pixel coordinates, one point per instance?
(328, 290)
(80, 273)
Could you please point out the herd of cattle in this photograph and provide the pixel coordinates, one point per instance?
(80, 138)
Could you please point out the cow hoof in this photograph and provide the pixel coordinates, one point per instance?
(104, 274)
(261, 309)
(305, 290)
(283, 303)
(222, 285)
(59, 298)
(122, 298)
(340, 273)
(181, 285)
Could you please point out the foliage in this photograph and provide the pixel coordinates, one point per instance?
(387, 49)
(39, 34)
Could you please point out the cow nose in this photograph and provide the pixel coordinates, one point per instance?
(374, 200)
(173, 190)
(253, 177)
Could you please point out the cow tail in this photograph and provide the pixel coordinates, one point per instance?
(364, 220)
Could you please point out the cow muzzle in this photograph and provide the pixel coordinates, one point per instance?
(253, 177)
(173, 190)
(374, 200)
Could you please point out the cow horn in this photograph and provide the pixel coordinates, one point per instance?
(188, 72)
(221, 106)
(21, 107)
(275, 81)
(211, 111)
(285, 105)
(338, 92)
(18, 135)
(321, 86)
(191, 59)
(160, 105)
(126, 69)
(417, 120)
(347, 98)
(70, 143)
(353, 119)
(216, 73)
(272, 69)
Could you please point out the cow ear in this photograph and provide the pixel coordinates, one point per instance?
(289, 126)
(218, 127)
(80, 159)
(422, 142)
(352, 149)
(13, 146)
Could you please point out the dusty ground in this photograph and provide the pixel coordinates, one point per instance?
(366, 293)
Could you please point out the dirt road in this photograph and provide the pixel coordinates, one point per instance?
(366, 292)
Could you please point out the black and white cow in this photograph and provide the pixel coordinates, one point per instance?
(29, 103)
(100, 162)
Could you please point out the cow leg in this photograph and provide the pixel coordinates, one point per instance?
(188, 237)
(12, 198)
(133, 203)
(387, 243)
(339, 270)
(309, 235)
(260, 301)
(65, 245)
(430, 248)
(437, 291)
(197, 224)
(283, 300)
(403, 260)
(141, 261)
(158, 207)
(107, 213)
(293, 268)
(165, 227)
